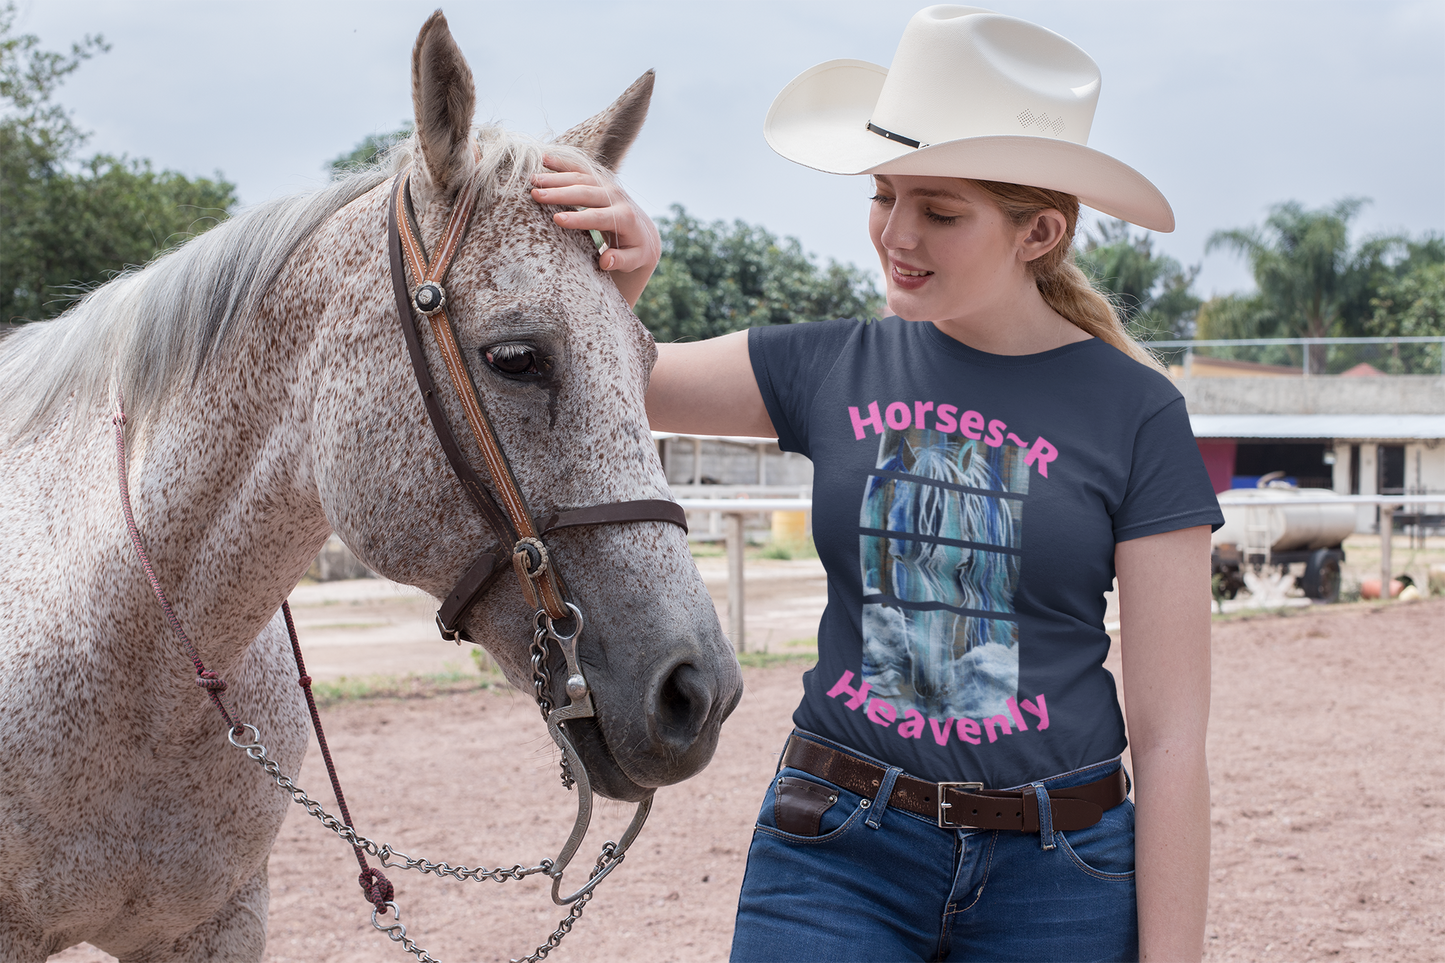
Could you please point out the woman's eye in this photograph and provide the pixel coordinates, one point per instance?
(940, 218)
(881, 199)
(514, 359)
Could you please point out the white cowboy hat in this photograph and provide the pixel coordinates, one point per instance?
(973, 94)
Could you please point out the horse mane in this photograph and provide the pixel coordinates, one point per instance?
(151, 328)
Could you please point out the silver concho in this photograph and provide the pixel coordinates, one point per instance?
(430, 298)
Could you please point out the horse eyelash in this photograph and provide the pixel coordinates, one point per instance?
(505, 351)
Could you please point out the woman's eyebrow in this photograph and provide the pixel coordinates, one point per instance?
(938, 192)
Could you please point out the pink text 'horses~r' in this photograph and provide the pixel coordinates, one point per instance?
(270, 400)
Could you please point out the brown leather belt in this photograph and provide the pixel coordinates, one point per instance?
(960, 805)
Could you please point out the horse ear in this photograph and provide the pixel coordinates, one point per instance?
(444, 98)
(607, 136)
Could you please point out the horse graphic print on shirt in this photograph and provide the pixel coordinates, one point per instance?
(940, 543)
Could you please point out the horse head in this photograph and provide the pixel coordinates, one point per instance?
(561, 365)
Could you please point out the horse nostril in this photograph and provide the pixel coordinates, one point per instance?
(681, 706)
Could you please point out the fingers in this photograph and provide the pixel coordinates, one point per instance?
(576, 195)
(560, 164)
(610, 220)
(563, 173)
(633, 243)
(626, 260)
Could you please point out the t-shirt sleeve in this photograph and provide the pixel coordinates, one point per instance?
(1168, 488)
(791, 362)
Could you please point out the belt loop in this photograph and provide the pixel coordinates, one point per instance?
(1046, 816)
(784, 754)
(880, 799)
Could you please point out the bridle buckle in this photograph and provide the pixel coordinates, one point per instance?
(944, 805)
(451, 635)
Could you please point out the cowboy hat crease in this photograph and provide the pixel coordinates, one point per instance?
(971, 93)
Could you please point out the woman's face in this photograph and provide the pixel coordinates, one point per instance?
(947, 250)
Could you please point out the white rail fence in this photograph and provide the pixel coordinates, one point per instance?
(732, 510)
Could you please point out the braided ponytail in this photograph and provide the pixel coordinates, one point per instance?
(1063, 286)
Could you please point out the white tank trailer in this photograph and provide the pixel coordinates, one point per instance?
(1267, 527)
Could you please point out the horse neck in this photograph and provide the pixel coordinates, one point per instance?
(220, 482)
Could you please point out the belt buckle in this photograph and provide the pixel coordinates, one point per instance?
(944, 805)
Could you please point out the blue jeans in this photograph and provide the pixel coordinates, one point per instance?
(883, 884)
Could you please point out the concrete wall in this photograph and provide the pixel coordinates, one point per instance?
(1317, 394)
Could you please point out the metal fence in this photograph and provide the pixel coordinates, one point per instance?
(1423, 354)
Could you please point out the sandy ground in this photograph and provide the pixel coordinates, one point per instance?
(1325, 755)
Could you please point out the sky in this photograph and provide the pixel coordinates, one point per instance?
(1229, 107)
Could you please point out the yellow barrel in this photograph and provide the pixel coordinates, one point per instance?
(790, 527)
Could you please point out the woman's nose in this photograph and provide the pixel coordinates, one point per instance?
(899, 234)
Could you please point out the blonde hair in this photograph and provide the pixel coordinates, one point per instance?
(1063, 286)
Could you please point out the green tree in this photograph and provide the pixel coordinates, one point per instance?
(28, 79)
(66, 224)
(1311, 283)
(715, 278)
(367, 152)
(1152, 291)
(1410, 302)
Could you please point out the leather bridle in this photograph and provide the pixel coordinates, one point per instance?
(511, 520)
(509, 517)
(542, 586)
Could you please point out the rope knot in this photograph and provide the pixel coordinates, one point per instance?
(377, 887)
(118, 418)
(209, 681)
(304, 682)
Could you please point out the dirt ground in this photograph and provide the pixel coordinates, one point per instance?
(1325, 759)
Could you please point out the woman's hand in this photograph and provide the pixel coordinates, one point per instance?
(633, 245)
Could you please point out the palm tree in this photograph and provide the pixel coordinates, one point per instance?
(1310, 281)
(1151, 291)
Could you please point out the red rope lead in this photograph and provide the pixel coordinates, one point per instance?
(205, 678)
(374, 884)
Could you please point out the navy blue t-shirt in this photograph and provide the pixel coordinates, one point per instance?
(966, 507)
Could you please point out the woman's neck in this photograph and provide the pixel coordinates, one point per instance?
(1024, 324)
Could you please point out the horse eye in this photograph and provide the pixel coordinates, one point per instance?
(513, 359)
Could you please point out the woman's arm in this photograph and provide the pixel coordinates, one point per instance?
(707, 388)
(1164, 606)
(702, 387)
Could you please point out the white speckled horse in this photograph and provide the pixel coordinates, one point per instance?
(271, 402)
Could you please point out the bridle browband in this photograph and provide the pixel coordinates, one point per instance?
(511, 520)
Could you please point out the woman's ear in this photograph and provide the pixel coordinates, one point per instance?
(1042, 234)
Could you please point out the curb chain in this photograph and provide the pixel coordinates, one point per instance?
(396, 932)
(395, 859)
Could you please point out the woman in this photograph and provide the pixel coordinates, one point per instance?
(986, 462)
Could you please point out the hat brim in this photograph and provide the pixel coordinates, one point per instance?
(820, 120)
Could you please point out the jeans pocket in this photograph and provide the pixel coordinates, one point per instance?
(1104, 850)
(801, 807)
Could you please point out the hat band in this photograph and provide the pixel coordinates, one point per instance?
(906, 141)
